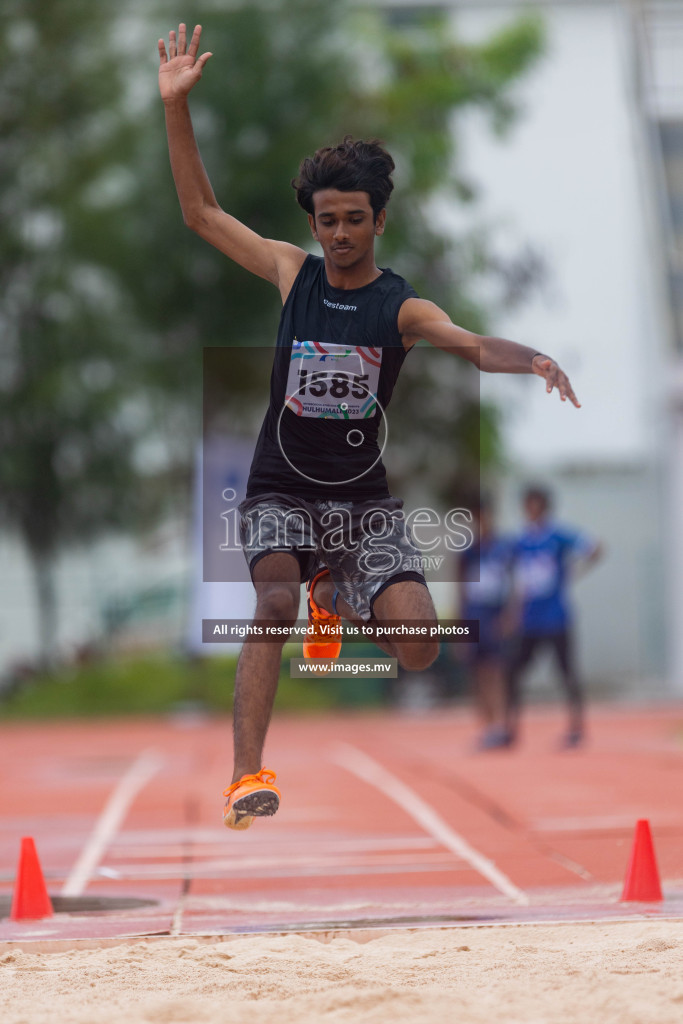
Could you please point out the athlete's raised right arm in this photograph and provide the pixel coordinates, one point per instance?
(179, 72)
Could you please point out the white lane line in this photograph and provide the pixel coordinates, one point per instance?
(599, 822)
(221, 869)
(119, 849)
(177, 922)
(370, 771)
(145, 766)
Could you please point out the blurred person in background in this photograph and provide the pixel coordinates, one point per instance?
(485, 575)
(340, 306)
(547, 558)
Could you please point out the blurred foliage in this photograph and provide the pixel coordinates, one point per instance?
(108, 300)
(164, 684)
(333, 69)
(68, 354)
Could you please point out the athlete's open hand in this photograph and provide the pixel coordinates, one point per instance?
(554, 377)
(181, 68)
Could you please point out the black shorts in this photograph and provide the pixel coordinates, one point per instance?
(367, 545)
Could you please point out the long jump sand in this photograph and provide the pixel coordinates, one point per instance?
(617, 973)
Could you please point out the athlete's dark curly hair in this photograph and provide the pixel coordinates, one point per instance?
(352, 166)
(537, 492)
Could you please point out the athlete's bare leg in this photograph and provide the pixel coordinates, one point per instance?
(490, 692)
(323, 594)
(402, 601)
(409, 601)
(277, 580)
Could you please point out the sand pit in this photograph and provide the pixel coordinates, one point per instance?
(618, 973)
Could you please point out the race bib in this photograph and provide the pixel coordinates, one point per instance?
(333, 381)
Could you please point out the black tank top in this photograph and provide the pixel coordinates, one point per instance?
(337, 359)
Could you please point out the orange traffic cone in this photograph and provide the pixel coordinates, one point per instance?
(30, 900)
(641, 884)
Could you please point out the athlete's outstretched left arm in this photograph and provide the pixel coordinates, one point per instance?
(419, 318)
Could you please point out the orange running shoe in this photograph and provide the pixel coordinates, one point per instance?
(324, 638)
(252, 796)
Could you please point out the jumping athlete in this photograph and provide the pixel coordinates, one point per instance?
(318, 508)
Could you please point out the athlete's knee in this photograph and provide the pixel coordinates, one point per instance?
(278, 602)
(417, 656)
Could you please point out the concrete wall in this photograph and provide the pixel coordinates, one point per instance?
(570, 179)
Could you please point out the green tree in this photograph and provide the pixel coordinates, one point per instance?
(284, 80)
(108, 302)
(67, 344)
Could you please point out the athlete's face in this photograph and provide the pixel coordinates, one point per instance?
(345, 226)
(535, 508)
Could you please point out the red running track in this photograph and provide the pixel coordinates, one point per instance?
(386, 820)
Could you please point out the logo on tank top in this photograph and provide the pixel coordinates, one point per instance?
(340, 305)
(333, 381)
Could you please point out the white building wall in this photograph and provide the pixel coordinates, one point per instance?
(571, 180)
(566, 180)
